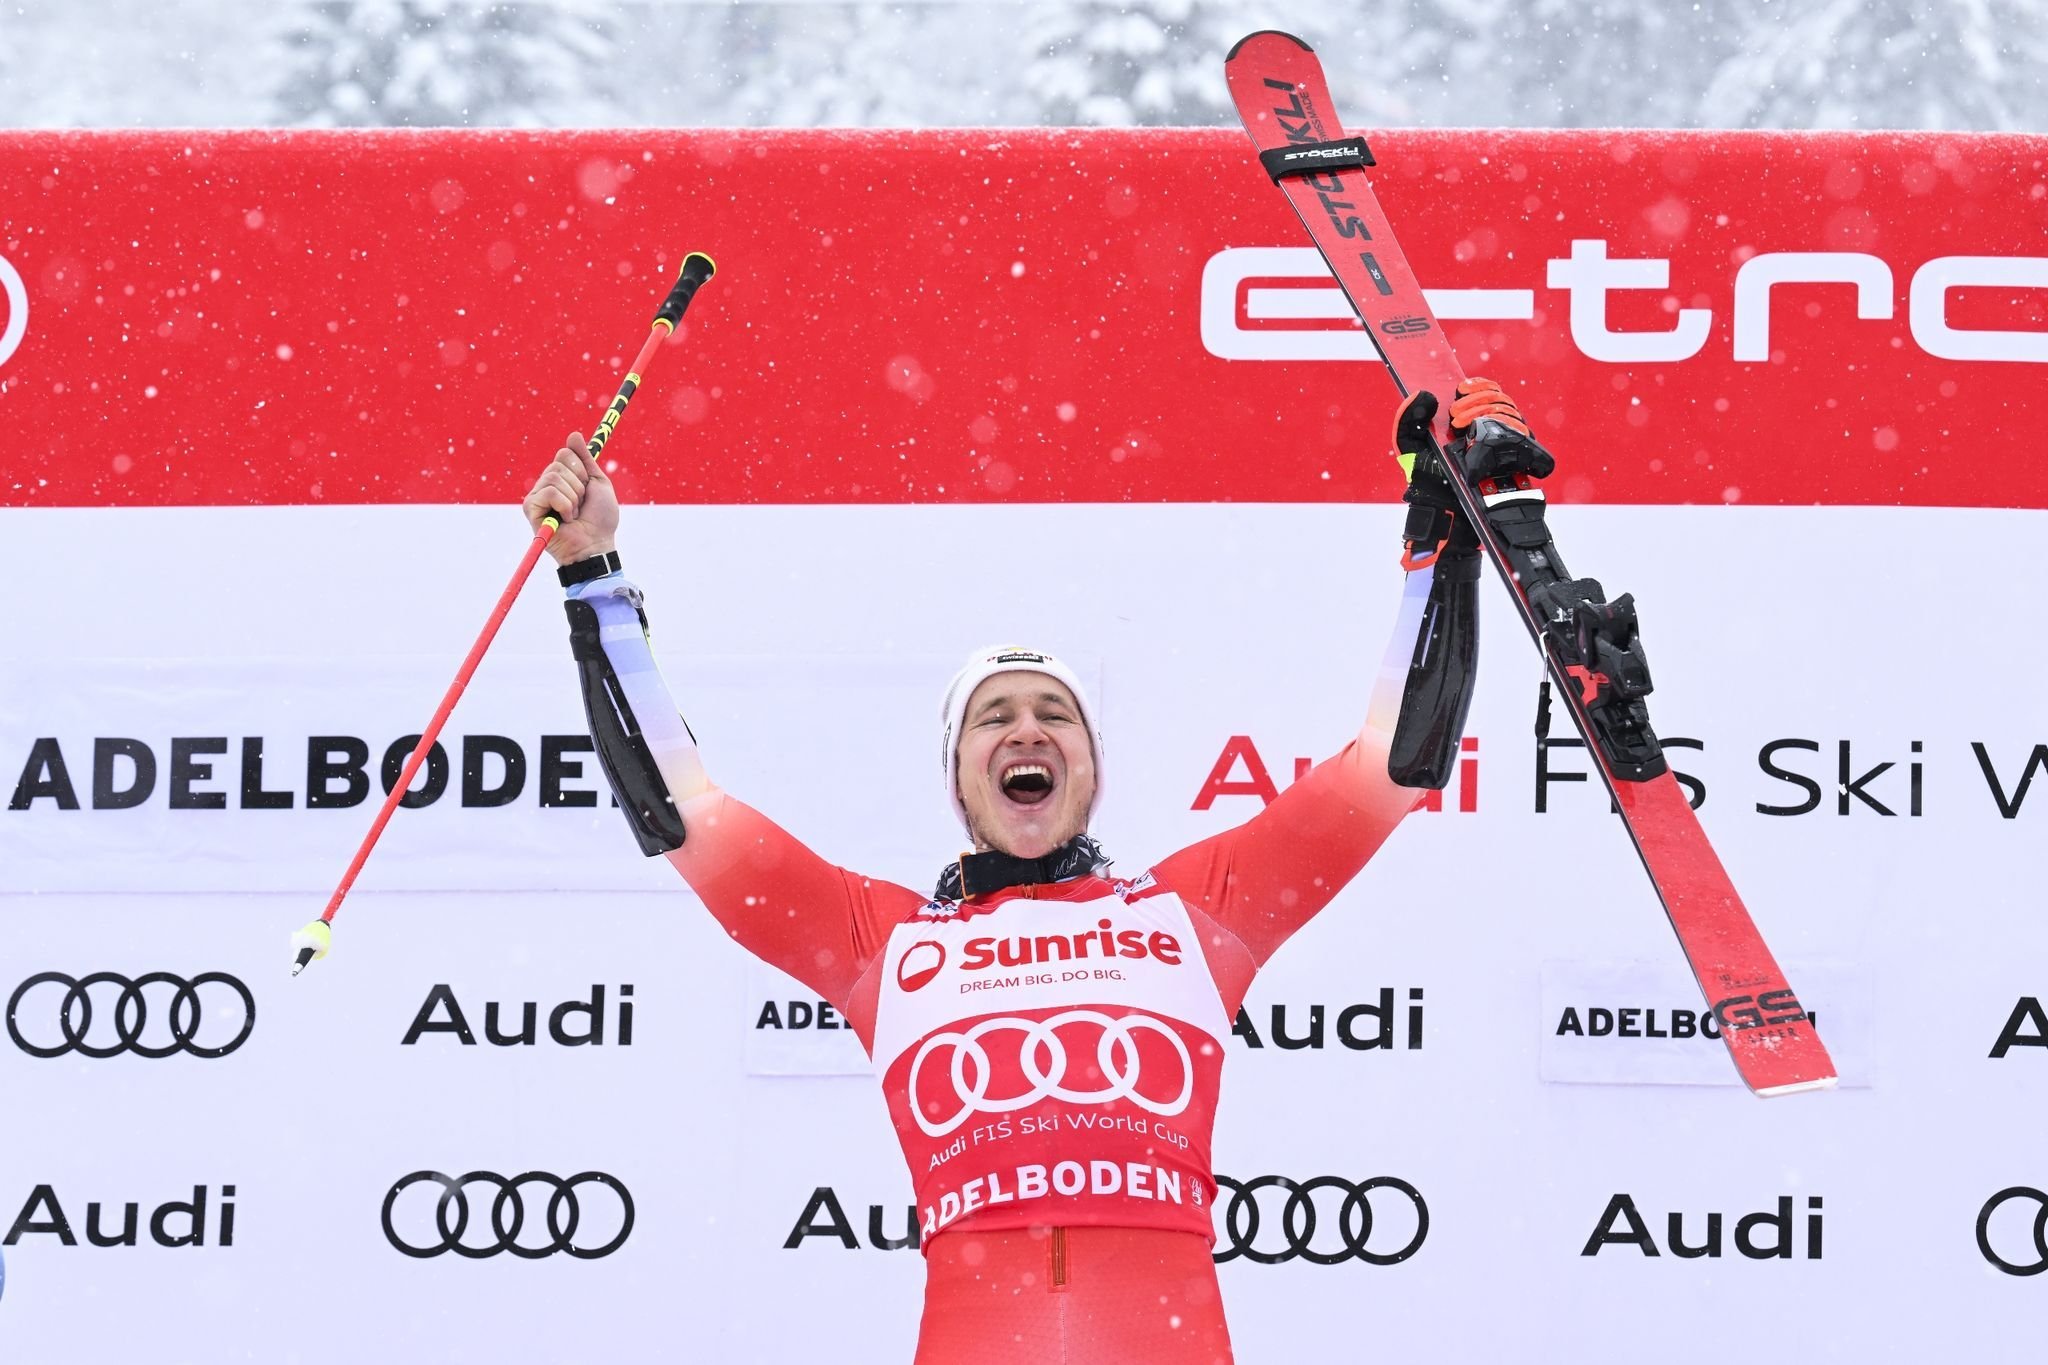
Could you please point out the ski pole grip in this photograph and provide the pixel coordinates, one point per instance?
(697, 268)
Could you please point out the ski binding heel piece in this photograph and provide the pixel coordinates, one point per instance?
(1595, 641)
(1494, 450)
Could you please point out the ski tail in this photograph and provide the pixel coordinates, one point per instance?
(1237, 46)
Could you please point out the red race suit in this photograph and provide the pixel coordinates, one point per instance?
(1051, 1054)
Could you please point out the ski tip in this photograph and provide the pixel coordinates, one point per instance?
(1265, 33)
(1794, 1087)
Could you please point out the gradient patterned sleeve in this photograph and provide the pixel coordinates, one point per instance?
(651, 711)
(783, 903)
(1269, 876)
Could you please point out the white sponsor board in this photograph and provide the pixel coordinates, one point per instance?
(808, 646)
(1646, 1023)
(791, 1032)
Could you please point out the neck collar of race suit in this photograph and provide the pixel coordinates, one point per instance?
(977, 874)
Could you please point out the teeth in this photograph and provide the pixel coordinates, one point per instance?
(1027, 770)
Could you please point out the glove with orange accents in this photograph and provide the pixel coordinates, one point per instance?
(1489, 437)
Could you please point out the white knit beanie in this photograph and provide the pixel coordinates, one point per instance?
(984, 664)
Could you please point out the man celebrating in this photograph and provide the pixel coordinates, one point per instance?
(1049, 1038)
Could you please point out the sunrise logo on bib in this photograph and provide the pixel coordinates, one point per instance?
(919, 965)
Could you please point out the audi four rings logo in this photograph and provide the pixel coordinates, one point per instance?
(1290, 1225)
(51, 1022)
(1041, 1055)
(563, 1217)
(2039, 1250)
(17, 309)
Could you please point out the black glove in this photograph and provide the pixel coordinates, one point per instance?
(1432, 506)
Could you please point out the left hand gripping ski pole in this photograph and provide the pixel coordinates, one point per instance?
(312, 942)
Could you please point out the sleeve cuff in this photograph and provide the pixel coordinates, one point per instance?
(613, 584)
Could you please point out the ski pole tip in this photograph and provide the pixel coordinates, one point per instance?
(311, 944)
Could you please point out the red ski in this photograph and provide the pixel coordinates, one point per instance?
(1588, 643)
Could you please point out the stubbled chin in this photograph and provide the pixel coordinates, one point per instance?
(1025, 832)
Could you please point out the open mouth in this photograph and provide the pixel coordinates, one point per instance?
(1027, 784)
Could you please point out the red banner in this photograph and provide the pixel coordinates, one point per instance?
(1030, 316)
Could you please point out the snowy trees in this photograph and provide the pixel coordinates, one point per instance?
(1957, 64)
(819, 65)
(1967, 64)
(1118, 64)
(414, 63)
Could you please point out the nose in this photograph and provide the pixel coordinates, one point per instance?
(1027, 730)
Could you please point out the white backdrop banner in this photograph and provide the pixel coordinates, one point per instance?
(530, 1037)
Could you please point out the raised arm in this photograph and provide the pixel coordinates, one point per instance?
(1270, 875)
(785, 904)
(782, 902)
(645, 747)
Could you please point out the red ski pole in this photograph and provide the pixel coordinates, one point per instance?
(313, 941)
